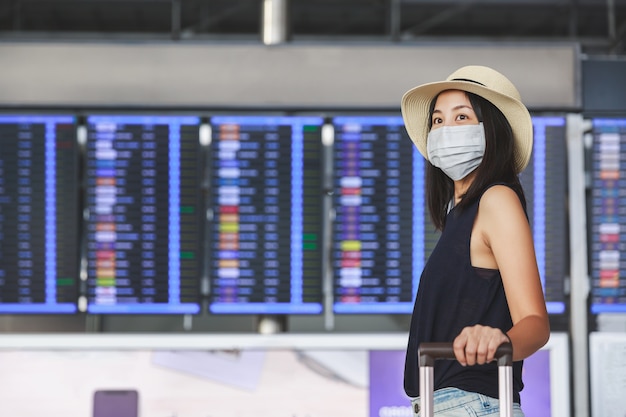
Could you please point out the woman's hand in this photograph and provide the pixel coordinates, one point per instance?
(477, 345)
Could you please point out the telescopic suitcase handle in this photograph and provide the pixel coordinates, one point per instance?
(430, 352)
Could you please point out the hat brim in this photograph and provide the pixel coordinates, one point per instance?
(415, 106)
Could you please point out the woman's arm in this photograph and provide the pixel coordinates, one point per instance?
(503, 226)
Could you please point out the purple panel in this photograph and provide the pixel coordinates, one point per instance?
(387, 397)
(535, 396)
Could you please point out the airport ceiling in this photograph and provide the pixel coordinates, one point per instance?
(599, 26)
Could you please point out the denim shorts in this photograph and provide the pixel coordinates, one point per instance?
(453, 402)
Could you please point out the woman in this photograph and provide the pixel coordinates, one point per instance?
(480, 286)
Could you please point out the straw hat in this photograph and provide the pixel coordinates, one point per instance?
(483, 81)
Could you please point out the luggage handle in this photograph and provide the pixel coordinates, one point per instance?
(429, 352)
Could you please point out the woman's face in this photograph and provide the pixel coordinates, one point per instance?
(453, 108)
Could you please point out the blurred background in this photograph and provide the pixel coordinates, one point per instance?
(597, 25)
(178, 167)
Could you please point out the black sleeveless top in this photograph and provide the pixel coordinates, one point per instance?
(453, 294)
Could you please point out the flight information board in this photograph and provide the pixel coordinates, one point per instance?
(545, 185)
(39, 214)
(146, 214)
(381, 232)
(608, 216)
(265, 252)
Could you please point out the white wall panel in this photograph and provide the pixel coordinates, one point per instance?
(253, 75)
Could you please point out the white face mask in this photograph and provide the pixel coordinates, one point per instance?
(456, 150)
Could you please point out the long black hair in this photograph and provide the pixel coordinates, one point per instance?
(497, 167)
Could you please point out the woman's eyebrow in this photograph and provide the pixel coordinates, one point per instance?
(459, 107)
(462, 106)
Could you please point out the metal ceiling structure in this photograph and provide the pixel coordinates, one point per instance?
(598, 25)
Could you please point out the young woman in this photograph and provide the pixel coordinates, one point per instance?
(481, 285)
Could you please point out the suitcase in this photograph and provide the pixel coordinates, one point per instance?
(430, 352)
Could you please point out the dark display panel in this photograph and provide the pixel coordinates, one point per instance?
(545, 185)
(381, 232)
(39, 214)
(608, 216)
(265, 253)
(146, 214)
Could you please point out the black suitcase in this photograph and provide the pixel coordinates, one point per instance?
(430, 352)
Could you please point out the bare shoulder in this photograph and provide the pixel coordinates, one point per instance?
(499, 197)
(500, 217)
(502, 209)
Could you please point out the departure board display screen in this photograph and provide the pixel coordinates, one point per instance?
(381, 232)
(39, 214)
(608, 216)
(146, 215)
(545, 185)
(266, 198)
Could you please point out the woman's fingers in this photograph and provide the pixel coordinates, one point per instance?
(459, 345)
(477, 345)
